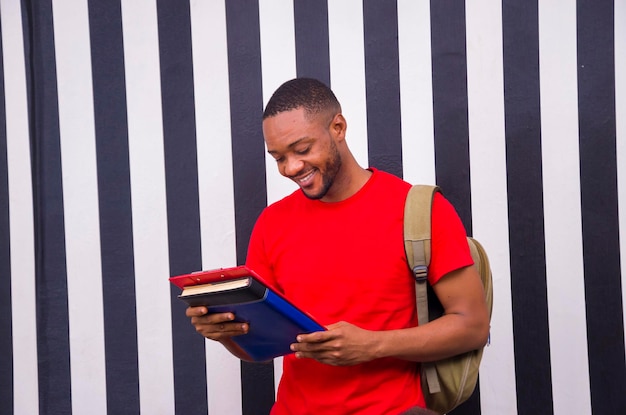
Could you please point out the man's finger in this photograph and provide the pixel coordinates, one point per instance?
(315, 337)
(196, 311)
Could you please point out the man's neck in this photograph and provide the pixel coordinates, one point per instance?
(348, 183)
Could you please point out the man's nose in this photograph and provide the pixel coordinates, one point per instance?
(293, 166)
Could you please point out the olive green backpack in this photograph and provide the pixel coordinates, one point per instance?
(449, 382)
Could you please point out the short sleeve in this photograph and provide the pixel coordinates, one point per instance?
(449, 248)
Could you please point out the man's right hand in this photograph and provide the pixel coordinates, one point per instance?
(217, 326)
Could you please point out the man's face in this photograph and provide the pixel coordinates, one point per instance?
(304, 149)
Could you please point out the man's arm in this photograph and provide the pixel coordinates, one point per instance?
(463, 327)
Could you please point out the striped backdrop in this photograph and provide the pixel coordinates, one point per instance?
(131, 150)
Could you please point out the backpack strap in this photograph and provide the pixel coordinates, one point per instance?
(417, 223)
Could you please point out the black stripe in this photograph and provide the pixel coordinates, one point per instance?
(451, 127)
(525, 202)
(183, 211)
(53, 349)
(449, 67)
(114, 198)
(599, 197)
(311, 31)
(250, 189)
(6, 333)
(382, 81)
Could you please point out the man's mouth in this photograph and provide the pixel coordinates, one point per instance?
(306, 179)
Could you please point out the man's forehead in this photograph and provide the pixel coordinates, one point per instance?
(287, 122)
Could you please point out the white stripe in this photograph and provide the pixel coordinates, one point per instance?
(620, 116)
(278, 59)
(416, 94)
(347, 70)
(25, 380)
(215, 179)
(147, 178)
(562, 210)
(80, 200)
(489, 195)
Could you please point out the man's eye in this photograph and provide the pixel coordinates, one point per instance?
(303, 151)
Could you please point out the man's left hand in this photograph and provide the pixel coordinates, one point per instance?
(343, 344)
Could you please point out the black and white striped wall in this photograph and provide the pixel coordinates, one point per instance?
(131, 150)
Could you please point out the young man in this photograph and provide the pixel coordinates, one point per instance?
(335, 247)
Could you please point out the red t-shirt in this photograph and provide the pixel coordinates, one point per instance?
(345, 261)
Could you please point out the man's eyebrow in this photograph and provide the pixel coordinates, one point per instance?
(291, 145)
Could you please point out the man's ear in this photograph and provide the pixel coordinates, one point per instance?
(338, 127)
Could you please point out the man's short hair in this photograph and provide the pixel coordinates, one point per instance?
(312, 95)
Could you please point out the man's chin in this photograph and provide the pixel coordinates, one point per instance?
(313, 195)
(316, 191)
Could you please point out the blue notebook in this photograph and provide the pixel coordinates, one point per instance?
(273, 320)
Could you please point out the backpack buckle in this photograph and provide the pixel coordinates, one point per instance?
(420, 272)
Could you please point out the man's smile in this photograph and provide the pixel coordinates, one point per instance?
(306, 179)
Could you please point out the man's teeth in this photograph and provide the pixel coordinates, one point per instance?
(305, 178)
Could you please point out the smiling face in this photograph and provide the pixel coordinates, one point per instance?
(306, 149)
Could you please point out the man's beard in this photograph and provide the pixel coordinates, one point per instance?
(332, 167)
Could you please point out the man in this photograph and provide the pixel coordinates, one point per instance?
(335, 248)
